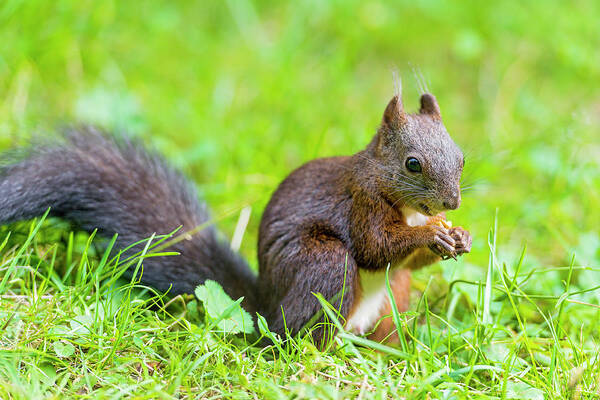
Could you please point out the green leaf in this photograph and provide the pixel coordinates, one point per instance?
(59, 330)
(138, 342)
(47, 374)
(81, 325)
(263, 328)
(63, 350)
(222, 311)
(522, 391)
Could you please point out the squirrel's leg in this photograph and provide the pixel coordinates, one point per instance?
(385, 329)
(400, 284)
(326, 268)
(421, 258)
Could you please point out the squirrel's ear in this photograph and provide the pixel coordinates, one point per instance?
(394, 116)
(429, 105)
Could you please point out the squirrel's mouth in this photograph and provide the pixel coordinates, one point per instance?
(425, 209)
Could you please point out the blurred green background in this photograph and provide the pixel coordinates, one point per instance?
(239, 93)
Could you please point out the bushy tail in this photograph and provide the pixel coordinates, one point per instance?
(115, 186)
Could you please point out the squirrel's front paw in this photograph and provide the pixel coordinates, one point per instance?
(462, 239)
(442, 243)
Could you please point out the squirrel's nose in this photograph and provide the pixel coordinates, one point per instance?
(453, 201)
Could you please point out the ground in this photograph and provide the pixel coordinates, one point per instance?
(239, 93)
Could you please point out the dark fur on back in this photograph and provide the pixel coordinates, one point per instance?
(114, 185)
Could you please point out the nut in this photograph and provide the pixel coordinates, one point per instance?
(440, 221)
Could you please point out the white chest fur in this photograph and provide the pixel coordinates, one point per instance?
(414, 218)
(374, 292)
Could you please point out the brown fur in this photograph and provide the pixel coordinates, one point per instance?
(333, 217)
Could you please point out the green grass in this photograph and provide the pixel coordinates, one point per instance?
(237, 94)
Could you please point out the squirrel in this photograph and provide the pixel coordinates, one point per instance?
(332, 226)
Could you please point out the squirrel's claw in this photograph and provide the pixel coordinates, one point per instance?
(443, 243)
(449, 256)
(451, 243)
(462, 238)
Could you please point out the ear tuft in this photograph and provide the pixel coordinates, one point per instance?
(394, 116)
(429, 106)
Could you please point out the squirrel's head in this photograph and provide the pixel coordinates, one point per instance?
(420, 163)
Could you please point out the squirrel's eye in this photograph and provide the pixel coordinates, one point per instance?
(413, 165)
